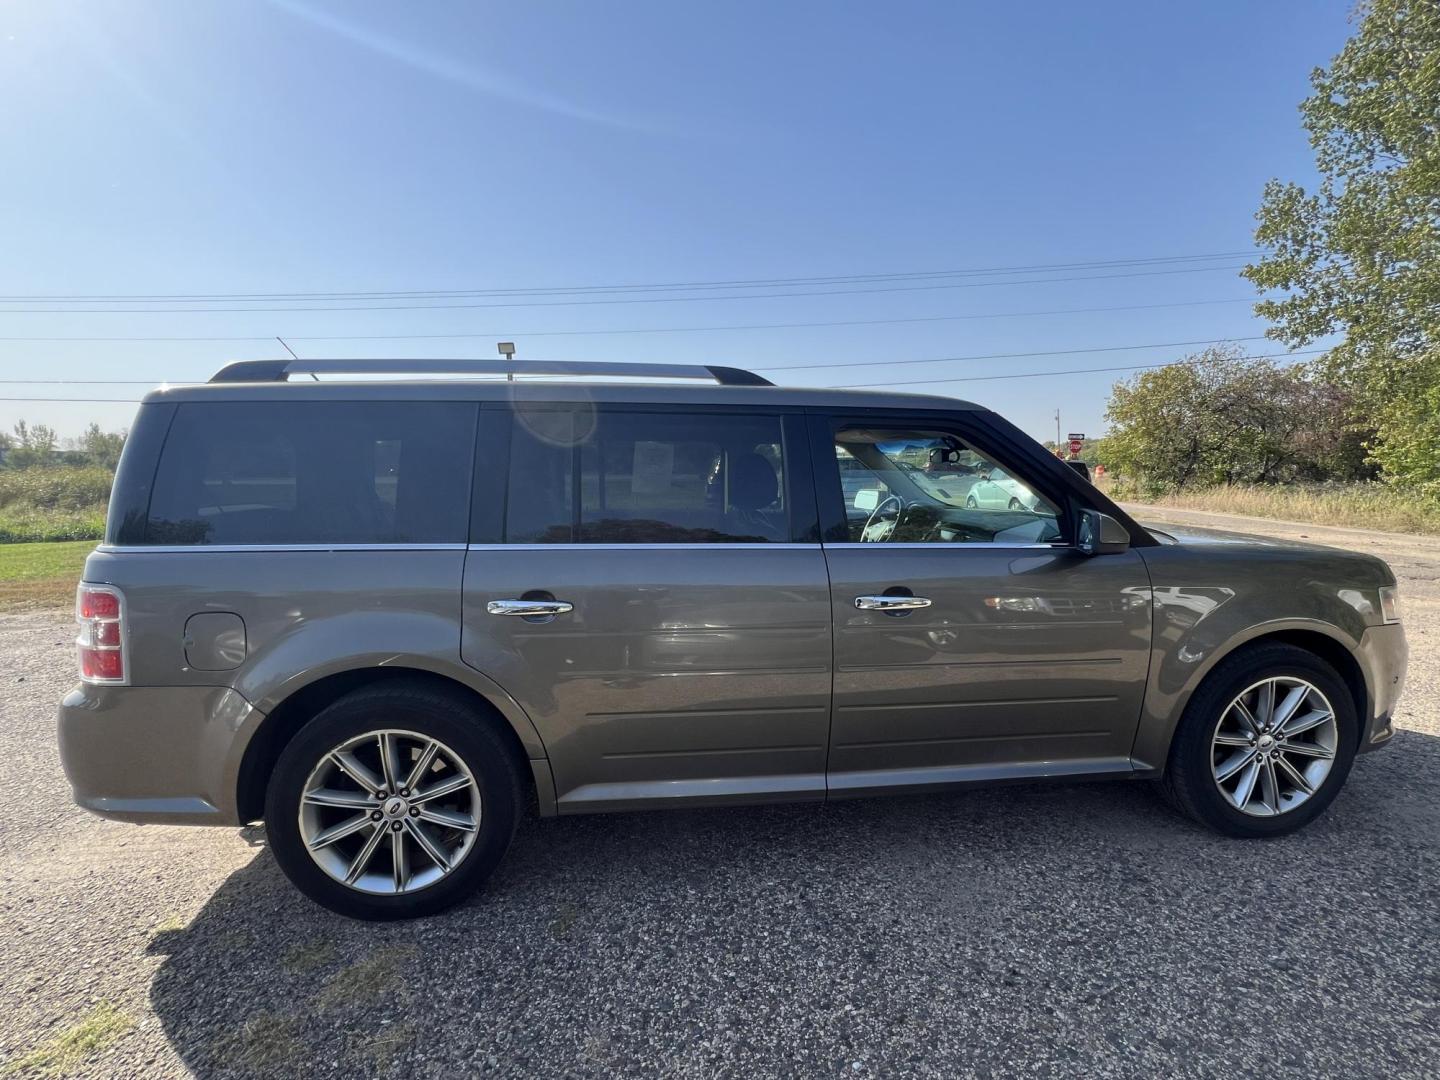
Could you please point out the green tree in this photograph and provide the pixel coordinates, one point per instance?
(102, 447)
(32, 446)
(1218, 418)
(1361, 254)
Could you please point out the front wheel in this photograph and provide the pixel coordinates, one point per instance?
(1265, 743)
(394, 802)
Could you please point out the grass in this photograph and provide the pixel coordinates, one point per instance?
(382, 1048)
(41, 575)
(51, 504)
(1359, 506)
(62, 1053)
(367, 979)
(266, 1043)
(170, 925)
(308, 957)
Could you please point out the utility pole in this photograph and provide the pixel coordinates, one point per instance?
(1057, 429)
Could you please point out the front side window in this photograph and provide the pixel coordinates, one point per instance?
(313, 473)
(917, 486)
(647, 478)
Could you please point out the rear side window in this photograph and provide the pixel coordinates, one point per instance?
(314, 473)
(647, 478)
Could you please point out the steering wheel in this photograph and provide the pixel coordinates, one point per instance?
(875, 516)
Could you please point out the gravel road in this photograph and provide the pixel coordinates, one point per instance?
(1007, 931)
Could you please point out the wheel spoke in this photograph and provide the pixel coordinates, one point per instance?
(1235, 764)
(399, 860)
(1245, 790)
(451, 819)
(1270, 788)
(1289, 704)
(362, 860)
(440, 789)
(1224, 738)
(1265, 703)
(437, 855)
(1314, 750)
(355, 800)
(352, 767)
(1296, 776)
(422, 765)
(348, 827)
(389, 761)
(1302, 724)
(1246, 716)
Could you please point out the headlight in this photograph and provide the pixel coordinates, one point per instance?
(1390, 603)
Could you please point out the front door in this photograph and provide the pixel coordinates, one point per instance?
(657, 602)
(972, 640)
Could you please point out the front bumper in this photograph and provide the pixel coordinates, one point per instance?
(1383, 655)
(158, 754)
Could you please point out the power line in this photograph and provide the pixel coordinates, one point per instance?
(506, 334)
(1070, 371)
(1006, 356)
(734, 283)
(614, 300)
(863, 386)
(77, 400)
(763, 367)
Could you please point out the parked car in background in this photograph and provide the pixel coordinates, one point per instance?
(387, 618)
(997, 490)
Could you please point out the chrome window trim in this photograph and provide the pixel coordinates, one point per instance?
(693, 546)
(951, 545)
(170, 549)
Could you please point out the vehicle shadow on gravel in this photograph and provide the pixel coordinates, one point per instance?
(1012, 929)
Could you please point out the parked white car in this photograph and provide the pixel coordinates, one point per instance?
(995, 490)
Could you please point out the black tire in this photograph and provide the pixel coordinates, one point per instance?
(1016, 504)
(428, 711)
(1189, 782)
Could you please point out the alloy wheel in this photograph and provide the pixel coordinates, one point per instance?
(389, 812)
(1273, 746)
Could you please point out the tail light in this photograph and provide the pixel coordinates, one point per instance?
(100, 611)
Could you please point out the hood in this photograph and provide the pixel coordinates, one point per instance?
(1193, 536)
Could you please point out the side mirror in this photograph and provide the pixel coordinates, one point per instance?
(1081, 468)
(1100, 534)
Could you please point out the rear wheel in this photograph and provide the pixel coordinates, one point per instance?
(1265, 743)
(394, 802)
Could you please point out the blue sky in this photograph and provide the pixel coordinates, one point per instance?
(163, 148)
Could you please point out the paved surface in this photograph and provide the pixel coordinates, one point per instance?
(1012, 931)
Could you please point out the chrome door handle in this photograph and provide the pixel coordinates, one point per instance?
(529, 607)
(891, 603)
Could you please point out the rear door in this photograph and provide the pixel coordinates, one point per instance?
(972, 641)
(680, 651)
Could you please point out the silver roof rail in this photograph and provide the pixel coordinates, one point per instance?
(281, 370)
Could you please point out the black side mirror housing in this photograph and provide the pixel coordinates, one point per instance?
(1100, 534)
(1081, 468)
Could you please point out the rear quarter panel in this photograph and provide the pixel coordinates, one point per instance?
(306, 614)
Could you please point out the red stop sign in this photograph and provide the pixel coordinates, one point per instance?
(1075, 445)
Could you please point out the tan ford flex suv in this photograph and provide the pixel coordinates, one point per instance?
(389, 617)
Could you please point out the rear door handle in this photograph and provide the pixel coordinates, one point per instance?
(891, 603)
(529, 607)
